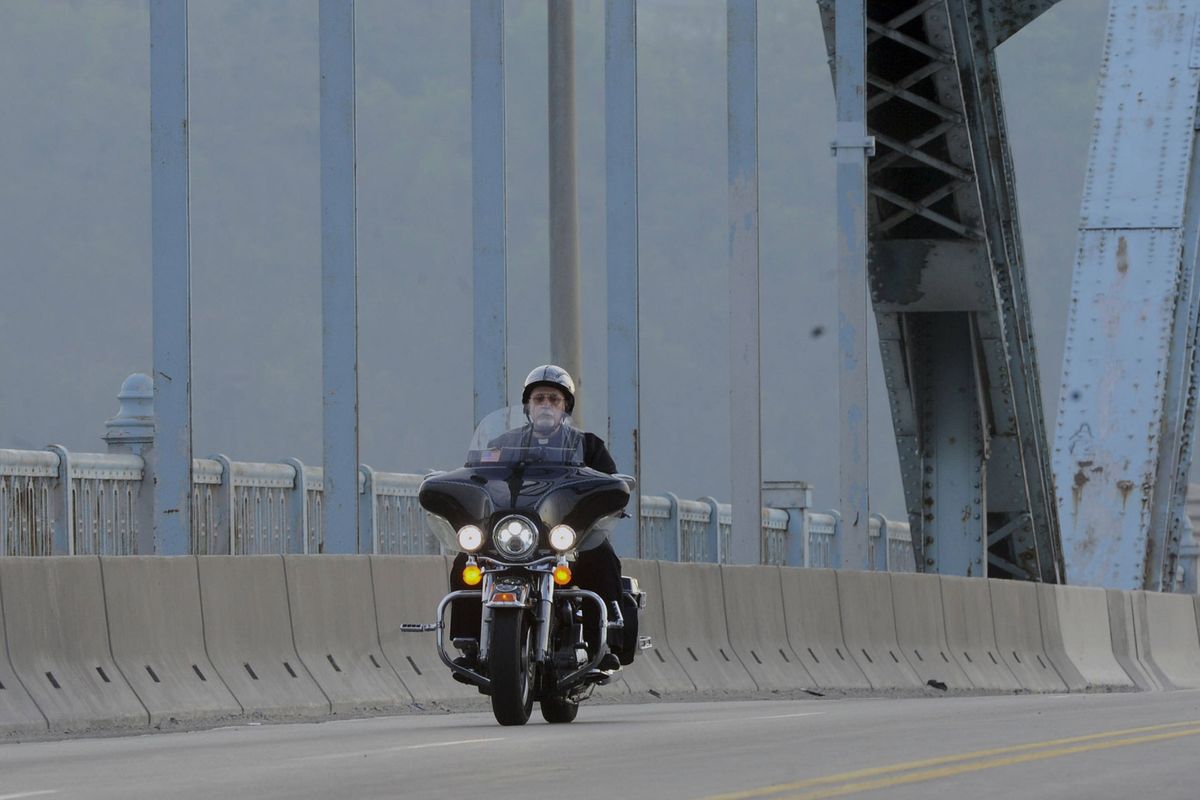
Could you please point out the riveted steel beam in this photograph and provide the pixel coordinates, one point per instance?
(1126, 414)
(945, 253)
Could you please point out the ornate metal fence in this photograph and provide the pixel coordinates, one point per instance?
(28, 481)
(55, 502)
(104, 499)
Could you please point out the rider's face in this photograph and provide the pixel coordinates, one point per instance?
(546, 408)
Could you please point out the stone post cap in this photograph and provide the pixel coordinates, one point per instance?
(135, 417)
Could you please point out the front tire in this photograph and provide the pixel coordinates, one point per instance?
(510, 667)
(557, 710)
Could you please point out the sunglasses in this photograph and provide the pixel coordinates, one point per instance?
(544, 399)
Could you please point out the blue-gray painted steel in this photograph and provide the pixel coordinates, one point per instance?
(954, 449)
(944, 238)
(1018, 470)
(1184, 395)
(745, 377)
(620, 152)
(488, 206)
(566, 327)
(339, 278)
(171, 464)
(1124, 432)
(1167, 506)
(851, 147)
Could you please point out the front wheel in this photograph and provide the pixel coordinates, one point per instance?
(510, 667)
(559, 709)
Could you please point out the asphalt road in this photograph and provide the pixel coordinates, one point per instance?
(1049, 746)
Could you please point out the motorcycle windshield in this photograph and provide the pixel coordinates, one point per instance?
(544, 435)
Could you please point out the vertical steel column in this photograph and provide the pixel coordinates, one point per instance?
(851, 148)
(620, 154)
(745, 379)
(488, 206)
(566, 336)
(171, 258)
(339, 278)
(953, 446)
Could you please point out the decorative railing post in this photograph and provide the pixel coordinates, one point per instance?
(62, 504)
(207, 517)
(803, 549)
(368, 529)
(131, 431)
(712, 533)
(298, 508)
(794, 497)
(225, 513)
(882, 560)
(674, 529)
(835, 552)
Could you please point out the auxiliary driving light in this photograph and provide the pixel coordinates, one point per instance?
(470, 538)
(472, 574)
(562, 574)
(562, 537)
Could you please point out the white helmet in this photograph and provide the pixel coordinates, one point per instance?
(550, 375)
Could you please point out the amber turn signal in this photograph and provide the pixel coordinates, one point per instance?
(472, 575)
(562, 574)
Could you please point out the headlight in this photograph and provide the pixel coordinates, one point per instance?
(562, 537)
(515, 537)
(470, 538)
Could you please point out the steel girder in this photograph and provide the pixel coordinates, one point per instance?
(948, 288)
(1130, 378)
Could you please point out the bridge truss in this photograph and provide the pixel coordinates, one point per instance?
(947, 284)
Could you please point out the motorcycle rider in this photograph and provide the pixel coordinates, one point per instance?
(548, 398)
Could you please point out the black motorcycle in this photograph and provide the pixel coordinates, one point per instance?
(521, 509)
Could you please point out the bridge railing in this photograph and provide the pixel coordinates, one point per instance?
(56, 502)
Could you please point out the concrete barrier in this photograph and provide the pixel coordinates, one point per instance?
(657, 670)
(19, 715)
(1018, 626)
(124, 642)
(814, 628)
(408, 589)
(58, 642)
(248, 632)
(757, 629)
(869, 626)
(694, 610)
(1125, 641)
(333, 621)
(921, 631)
(157, 636)
(1078, 637)
(971, 636)
(1172, 641)
(1053, 644)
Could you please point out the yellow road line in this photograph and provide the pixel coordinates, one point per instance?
(780, 788)
(945, 772)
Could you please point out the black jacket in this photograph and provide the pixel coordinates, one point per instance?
(595, 454)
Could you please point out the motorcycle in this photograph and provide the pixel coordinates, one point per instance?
(522, 508)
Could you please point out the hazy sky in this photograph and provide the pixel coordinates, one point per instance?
(74, 222)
